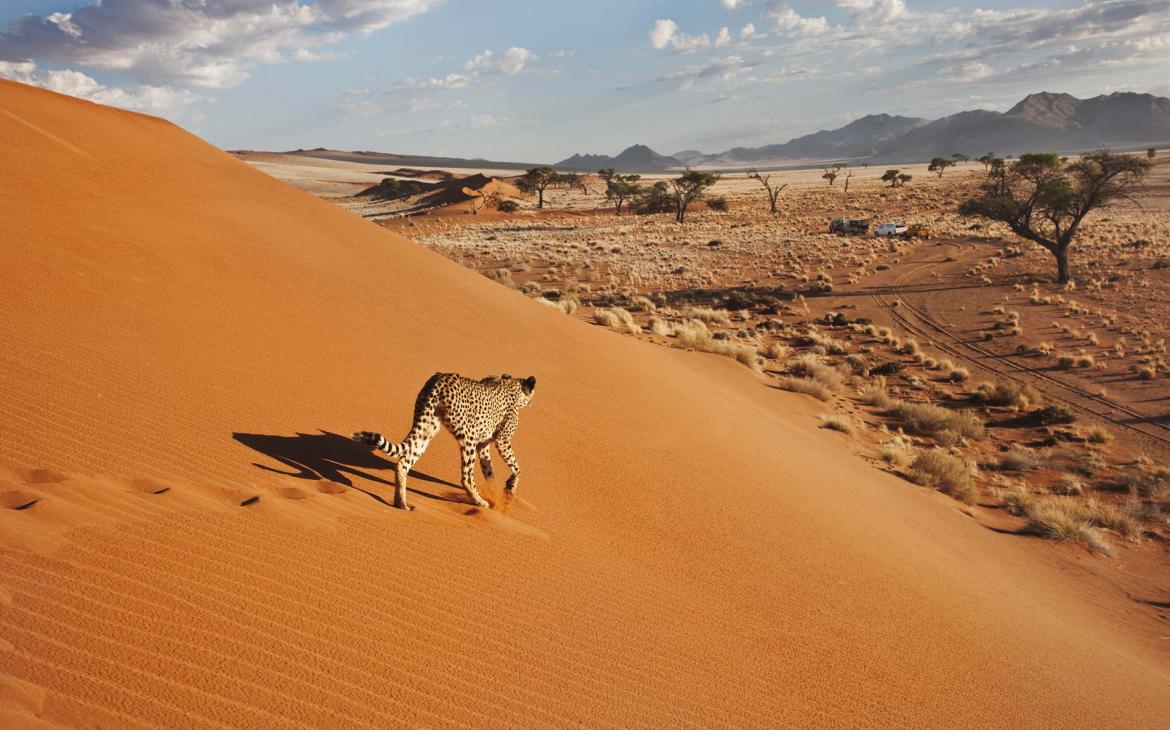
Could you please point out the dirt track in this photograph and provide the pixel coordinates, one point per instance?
(929, 297)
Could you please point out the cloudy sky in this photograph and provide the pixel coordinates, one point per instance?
(536, 81)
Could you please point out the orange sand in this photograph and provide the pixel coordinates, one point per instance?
(685, 550)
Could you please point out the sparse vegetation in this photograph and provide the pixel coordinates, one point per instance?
(948, 474)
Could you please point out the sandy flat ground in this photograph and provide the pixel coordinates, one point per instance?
(187, 540)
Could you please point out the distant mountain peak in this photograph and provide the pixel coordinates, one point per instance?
(636, 157)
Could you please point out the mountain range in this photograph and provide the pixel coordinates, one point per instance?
(1042, 121)
(637, 157)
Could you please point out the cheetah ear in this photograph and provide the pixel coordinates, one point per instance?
(529, 384)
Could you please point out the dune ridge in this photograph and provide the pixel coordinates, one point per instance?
(182, 334)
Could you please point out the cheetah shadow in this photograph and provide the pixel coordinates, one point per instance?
(331, 456)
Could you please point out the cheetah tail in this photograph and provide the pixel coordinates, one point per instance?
(378, 441)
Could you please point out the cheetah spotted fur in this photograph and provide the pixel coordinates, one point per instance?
(476, 412)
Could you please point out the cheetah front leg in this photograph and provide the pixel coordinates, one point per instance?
(467, 453)
(485, 458)
(505, 447)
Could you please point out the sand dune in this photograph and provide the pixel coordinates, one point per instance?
(181, 335)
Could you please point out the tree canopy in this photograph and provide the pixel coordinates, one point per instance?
(1044, 199)
(688, 188)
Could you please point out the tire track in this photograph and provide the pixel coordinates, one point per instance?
(1074, 397)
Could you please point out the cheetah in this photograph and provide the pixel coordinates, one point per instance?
(477, 412)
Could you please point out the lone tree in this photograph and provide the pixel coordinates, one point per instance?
(939, 165)
(766, 181)
(1044, 200)
(689, 187)
(1152, 152)
(536, 180)
(572, 181)
(831, 174)
(959, 157)
(620, 188)
(892, 177)
(986, 160)
(606, 174)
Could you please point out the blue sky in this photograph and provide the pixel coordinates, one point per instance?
(537, 81)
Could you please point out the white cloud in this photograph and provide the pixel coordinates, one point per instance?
(794, 24)
(207, 43)
(661, 32)
(724, 38)
(665, 32)
(747, 31)
(731, 4)
(435, 83)
(431, 104)
(968, 72)
(311, 56)
(75, 83)
(510, 62)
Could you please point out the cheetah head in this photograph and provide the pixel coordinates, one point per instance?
(527, 387)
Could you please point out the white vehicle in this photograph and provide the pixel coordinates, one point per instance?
(893, 228)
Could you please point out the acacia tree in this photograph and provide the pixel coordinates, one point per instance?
(904, 178)
(959, 157)
(891, 176)
(479, 201)
(620, 188)
(848, 177)
(689, 187)
(939, 165)
(766, 181)
(536, 181)
(831, 174)
(1044, 200)
(606, 174)
(986, 160)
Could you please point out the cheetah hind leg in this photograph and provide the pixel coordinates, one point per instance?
(412, 448)
(467, 453)
(485, 459)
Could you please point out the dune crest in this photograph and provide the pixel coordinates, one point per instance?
(685, 550)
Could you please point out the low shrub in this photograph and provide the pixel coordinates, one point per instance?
(942, 424)
(949, 474)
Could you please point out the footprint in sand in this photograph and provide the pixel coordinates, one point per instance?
(17, 499)
(44, 476)
(326, 486)
(149, 486)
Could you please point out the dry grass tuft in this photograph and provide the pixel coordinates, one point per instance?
(1098, 435)
(837, 422)
(1061, 520)
(898, 452)
(707, 315)
(1007, 393)
(699, 337)
(808, 386)
(949, 474)
(618, 319)
(1018, 460)
(942, 424)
